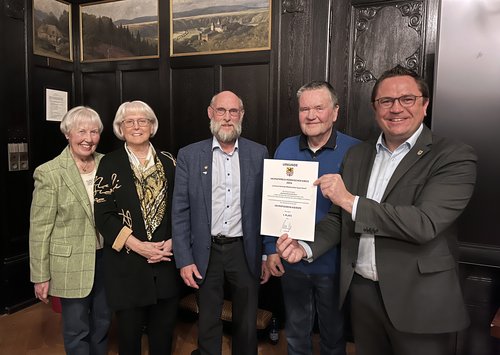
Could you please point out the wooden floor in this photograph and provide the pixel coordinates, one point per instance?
(36, 330)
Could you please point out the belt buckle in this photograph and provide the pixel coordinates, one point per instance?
(218, 239)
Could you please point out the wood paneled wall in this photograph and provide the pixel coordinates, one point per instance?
(348, 42)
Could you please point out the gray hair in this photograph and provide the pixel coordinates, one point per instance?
(136, 107)
(239, 99)
(78, 115)
(317, 85)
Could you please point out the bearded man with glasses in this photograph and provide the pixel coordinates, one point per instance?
(395, 210)
(216, 226)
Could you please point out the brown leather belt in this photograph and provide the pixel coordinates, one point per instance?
(222, 239)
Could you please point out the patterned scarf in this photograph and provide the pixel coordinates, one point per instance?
(151, 185)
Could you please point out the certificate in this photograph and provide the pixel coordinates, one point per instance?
(289, 198)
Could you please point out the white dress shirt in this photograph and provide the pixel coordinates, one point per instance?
(384, 166)
(226, 205)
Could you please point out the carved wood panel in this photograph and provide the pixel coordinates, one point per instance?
(377, 36)
(384, 36)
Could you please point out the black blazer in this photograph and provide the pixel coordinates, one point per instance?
(415, 231)
(129, 280)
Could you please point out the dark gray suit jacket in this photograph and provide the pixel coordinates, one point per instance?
(415, 231)
(192, 203)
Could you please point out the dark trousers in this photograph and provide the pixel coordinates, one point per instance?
(86, 320)
(228, 263)
(305, 297)
(374, 333)
(159, 320)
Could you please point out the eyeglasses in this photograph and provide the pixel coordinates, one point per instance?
(142, 122)
(405, 101)
(221, 111)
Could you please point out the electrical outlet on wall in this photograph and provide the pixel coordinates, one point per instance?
(13, 151)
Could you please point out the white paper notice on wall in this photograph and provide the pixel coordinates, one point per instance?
(56, 103)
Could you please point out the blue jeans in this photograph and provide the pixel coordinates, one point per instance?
(308, 296)
(86, 320)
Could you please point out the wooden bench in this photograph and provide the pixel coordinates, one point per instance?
(263, 317)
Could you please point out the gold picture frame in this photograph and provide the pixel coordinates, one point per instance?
(212, 27)
(52, 32)
(119, 30)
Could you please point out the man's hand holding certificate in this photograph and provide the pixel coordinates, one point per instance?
(289, 198)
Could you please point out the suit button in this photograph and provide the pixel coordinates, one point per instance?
(353, 264)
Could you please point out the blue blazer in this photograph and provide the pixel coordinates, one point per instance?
(192, 204)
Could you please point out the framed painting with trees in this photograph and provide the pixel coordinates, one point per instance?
(219, 26)
(119, 30)
(52, 29)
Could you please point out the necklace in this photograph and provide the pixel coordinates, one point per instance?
(84, 167)
(85, 163)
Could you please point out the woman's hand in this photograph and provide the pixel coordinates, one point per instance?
(154, 252)
(166, 248)
(42, 291)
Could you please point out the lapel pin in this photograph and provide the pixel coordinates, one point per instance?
(420, 152)
(205, 169)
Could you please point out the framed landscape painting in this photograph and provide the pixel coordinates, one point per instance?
(119, 30)
(52, 29)
(219, 26)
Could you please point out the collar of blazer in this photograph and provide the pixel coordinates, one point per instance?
(72, 179)
(421, 148)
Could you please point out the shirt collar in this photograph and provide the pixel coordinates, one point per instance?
(410, 142)
(216, 144)
(134, 159)
(330, 144)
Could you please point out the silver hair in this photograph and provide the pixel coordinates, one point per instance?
(239, 99)
(215, 127)
(316, 85)
(78, 115)
(136, 107)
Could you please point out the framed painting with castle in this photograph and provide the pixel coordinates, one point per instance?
(216, 26)
(52, 29)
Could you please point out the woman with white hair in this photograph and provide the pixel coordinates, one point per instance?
(65, 248)
(133, 194)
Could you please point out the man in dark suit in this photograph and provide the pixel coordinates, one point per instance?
(216, 225)
(395, 210)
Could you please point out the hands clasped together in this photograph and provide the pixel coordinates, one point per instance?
(154, 252)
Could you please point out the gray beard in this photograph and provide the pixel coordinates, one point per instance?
(223, 136)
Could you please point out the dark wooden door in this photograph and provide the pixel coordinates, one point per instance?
(369, 37)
